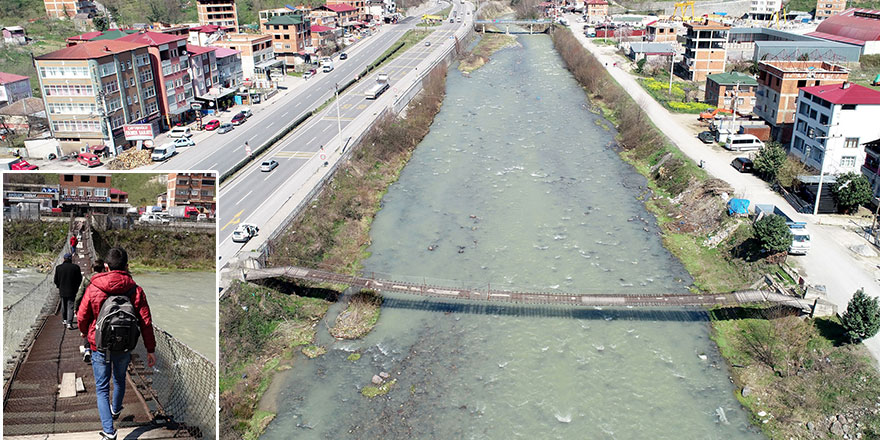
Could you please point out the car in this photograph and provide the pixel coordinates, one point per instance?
(309, 74)
(707, 137)
(153, 218)
(244, 232)
(183, 142)
(743, 164)
(268, 165)
(164, 152)
(239, 119)
(213, 124)
(452, 20)
(202, 217)
(89, 159)
(246, 111)
(180, 132)
(427, 43)
(327, 68)
(225, 128)
(343, 56)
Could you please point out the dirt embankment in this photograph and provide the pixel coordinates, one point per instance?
(33, 244)
(152, 250)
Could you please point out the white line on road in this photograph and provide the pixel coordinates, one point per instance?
(325, 129)
(313, 140)
(285, 114)
(245, 196)
(213, 167)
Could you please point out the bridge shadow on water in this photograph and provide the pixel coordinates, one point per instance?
(545, 311)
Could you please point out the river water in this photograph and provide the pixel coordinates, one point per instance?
(183, 304)
(516, 186)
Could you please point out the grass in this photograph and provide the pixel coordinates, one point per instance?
(359, 317)
(354, 357)
(673, 99)
(33, 244)
(149, 250)
(142, 188)
(48, 36)
(371, 391)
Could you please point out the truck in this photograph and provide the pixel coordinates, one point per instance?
(326, 64)
(183, 211)
(16, 164)
(800, 243)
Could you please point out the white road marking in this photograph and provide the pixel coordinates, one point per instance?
(325, 129)
(213, 167)
(245, 196)
(285, 114)
(313, 139)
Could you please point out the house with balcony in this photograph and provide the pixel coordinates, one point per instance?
(704, 50)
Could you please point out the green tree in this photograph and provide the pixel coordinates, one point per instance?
(862, 317)
(101, 23)
(851, 190)
(773, 234)
(640, 65)
(769, 160)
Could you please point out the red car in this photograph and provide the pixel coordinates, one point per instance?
(18, 164)
(88, 159)
(239, 119)
(213, 124)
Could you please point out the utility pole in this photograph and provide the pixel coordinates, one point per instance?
(821, 169)
(733, 108)
(671, 64)
(338, 116)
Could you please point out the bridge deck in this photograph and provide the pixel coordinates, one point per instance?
(496, 295)
(32, 405)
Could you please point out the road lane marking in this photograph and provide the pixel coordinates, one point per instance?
(362, 106)
(294, 154)
(325, 129)
(345, 106)
(235, 220)
(313, 140)
(214, 167)
(245, 196)
(285, 113)
(333, 118)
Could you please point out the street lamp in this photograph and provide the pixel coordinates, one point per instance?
(338, 115)
(821, 168)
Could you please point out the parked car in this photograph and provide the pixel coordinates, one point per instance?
(343, 56)
(309, 74)
(246, 111)
(239, 119)
(707, 137)
(742, 142)
(183, 142)
(202, 217)
(153, 218)
(180, 132)
(244, 232)
(268, 165)
(225, 128)
(164, 152)
(89, 159)
(213, 124)
(743, 164)
(427, 43)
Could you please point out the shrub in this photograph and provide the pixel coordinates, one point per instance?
(862, 317)
(787, 174)
(773, 234)
(687, 107)
(851, 190)
(769, 160)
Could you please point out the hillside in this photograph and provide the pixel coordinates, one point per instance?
(142, 189)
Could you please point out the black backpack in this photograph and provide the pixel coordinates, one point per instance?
(117, 329)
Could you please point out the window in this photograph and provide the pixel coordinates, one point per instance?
(802, 83)
(68, 178)
(111, 87)
(82, 192)
(117, 121)
(813, 114)
(823, 119)
(849, 107)
(798, 144)
(149, 92)
(146, 75)
(76, 126)
(100, 192)
(64, 72)
(106, 69)
(816, 154)
(152, 107)
(851, 143)
(102, 179)
(802, 126)
(848, 161)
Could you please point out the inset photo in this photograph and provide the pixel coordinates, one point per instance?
(109, 305)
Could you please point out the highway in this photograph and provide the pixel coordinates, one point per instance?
(252, 196)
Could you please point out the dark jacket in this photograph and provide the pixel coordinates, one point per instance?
(68, 278)
(115, 282)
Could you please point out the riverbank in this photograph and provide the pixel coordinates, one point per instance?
(488, 44)
(33, 244)
(334, 233)
(163, 251)
(814, 399)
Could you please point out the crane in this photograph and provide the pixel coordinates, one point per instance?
(683, 7)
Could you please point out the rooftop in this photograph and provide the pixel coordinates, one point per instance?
(854, 26)
(653, 48)
(340, 8)
(223, 52)
(846, 93)
(804, 66)
(289, 19)
(10, 77)
(198, 50)
(113, 34)
(732, 78)
(23, 107)
(320, 29)
(153, 38)
(92, 49)
(708, 24)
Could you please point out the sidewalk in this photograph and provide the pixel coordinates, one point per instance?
(848, 272)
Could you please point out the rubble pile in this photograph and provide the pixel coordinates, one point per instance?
(700, 208)
(130, 159)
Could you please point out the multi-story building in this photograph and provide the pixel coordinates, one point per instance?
(871, 168)
(207, 34)
(257, 54)
(218, 12)
(85, 189)
(833, 124)
(192, 189)
(359, 6)
(13, 87)
(704, 50)
(763, 10)
(203, 68)
(321, 35)
(827, 8)
(346, 15)
(170, 63)
(69, 8)
(778, 84)
(92, 89)
(596, 11)
(229, 67)
(324, 17)
(291, 33)
(723, 88)
(660, 32)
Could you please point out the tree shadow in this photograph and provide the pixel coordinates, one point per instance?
(745, 312)
(298, 288)
(831, 330)
(749, 250)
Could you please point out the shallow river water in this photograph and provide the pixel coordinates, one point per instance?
(516, 186)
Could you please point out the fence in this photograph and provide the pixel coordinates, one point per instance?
(183, 384)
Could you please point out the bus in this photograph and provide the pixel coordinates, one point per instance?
(376, 90)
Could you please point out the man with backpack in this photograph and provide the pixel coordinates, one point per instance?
(68, 277)
(113, 313)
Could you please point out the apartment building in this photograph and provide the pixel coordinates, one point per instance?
(321, 35)
(192, 189)
(660, 33)
(704, 50)
(763, 10)
(78, 189)
(871, 168)
(228, 67)
(207, 34)
(833, 124)
(203, 68)
(323, 17)
(827, 8)
(170, 63)
(13, 88)
(596, 10)
(359, 6)
(723, 88)
(218, 13)
(256, 52)
(778, 84)
(92, 89)
(346, 15)
(69, 8)
(291, 34)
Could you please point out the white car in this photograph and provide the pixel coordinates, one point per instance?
(153, 218)
(183, 142)
(164, 152)
(244, 232)
(268, 165)
(177, 132)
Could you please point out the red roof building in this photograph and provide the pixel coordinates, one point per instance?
(13, 88)
(860, 27)
(346, 11)
(846, 93)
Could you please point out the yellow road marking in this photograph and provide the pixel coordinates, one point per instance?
(235, 220)
(333, 118)
(345, 106)
(295, 154)
(361, 106)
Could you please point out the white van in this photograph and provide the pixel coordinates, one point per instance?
(177, 132)
(163, 152)
(742, 142)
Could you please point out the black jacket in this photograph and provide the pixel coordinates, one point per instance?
(68, 278)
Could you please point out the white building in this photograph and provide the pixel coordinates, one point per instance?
(13, 87)
(764, 9)
(832, 125)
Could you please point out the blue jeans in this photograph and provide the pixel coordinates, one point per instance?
(117, 366)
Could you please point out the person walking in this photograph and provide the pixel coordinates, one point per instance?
(113, 298)
(97, 268)
(73, 243)
(68, 277)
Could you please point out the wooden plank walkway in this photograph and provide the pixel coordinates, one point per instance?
(497, 295)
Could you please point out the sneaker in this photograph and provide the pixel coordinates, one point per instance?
(115, 415)
(87, 357)
(64, 323)
(71, 327)
(106, 436)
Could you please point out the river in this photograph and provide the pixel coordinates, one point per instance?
(516, 185)
(183, 304)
